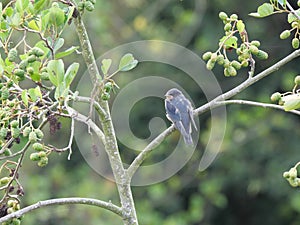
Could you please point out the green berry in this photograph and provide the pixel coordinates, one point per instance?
(15, 132)
(210, 64)
(11, 203)
(80, 6)
(26, 131)
(38, 147)
(39, 133)
(236, 65)
(295, 43)
(253, 49)
(3, 132)
(14, 123)
(220, 59)
(37, 51)
(31, 58)
(34, 156)
(226, 73)
(105, 96)
(32, 137)
(4, 180)
(245, 63)
(43, 161)
(226, 63)
(223, 16)
(285, 34)
(89, 6)
(42, 154)
(294, 24)
(45, 76)
(227, 26)
(108, 86)
(30, 70)
(19, 72)
(234, 17)
(275, 97)
(4, 93)
(298, 3)
(262, 54)
(12, 55)
(214, 57)
(206, 56)
(23, 64)
(293, 173)
(255, 43)
(293, 182)
(232, 71)
(297, 80)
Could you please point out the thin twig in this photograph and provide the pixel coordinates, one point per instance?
(259, 104)
(64, 201)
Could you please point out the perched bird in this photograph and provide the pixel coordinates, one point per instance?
(179, 111)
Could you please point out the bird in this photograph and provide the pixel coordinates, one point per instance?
(179, 111)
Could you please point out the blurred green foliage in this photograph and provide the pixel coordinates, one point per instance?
(244, 185)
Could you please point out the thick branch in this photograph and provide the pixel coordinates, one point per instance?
(218, 101)
(64, 201)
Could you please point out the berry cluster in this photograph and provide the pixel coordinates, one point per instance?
(289, 100)
(292, 177)
(89, 5)
(234, 30)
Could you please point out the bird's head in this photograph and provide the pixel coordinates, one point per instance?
(174, 92)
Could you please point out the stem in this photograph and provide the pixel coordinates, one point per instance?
(111, 146)
(259, 104)
(64, 201)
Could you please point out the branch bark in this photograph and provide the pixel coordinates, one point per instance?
(64, 201)
(120, 174)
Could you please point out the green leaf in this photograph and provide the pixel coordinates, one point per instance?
(15, 20)
(57, 16)
(33, 25)
(24, 97)
(35, 77)
(40, 4)
(264, 10)
(240, 26)
(38, 92)
(21, 5)
(70, 74)
(127, 62)
(58, 44)
(282, 3)
(56, 72)
(291, 102)
(66, 52)
(292, 17)
(105, 65)
(230, 42)
(32, 94)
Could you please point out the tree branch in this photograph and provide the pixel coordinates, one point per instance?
(259, 104)
(218, 101)
(64, 201)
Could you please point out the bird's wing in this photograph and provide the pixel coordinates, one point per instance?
(175, 115)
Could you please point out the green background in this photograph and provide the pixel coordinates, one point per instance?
(244, 185)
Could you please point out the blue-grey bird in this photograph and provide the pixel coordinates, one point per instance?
(179, 111)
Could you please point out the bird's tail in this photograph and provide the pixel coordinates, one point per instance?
(188, 140)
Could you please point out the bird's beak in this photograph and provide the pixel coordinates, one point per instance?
(168, 96)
